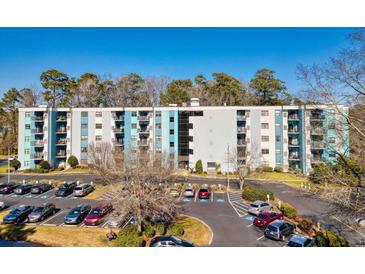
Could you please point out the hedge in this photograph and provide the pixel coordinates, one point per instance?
(267, 169)
(252, 194)
(278, 169)
(289, 211)
(306, 225)
(175, 230)
(326, 238)
(130, 237)
(148, 230)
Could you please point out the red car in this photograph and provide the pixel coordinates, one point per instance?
(204, 192)
(266, 217)
(97, 213)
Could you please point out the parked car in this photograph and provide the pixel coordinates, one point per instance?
(119, 221)
(300, 241)
(7, 188)
(65, 189)
(42, 212)
(174, 191)
(189, 191)
(18, 214)
(169, 241)
(361, 221)
(266, 217)
(279, 229)
(22, 189)
(204, 192)
(258, 206)
(77, 214)
(2, 205)
(97, 214)
(83, 189)
(40, 188)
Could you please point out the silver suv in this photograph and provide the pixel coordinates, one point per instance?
(83, 190)
(258, 206)
(279, 229)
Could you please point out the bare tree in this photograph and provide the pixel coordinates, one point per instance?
(87, 91)
(141, 187)
(29, 97)
(154, 87)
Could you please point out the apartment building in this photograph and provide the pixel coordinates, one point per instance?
(288, 136)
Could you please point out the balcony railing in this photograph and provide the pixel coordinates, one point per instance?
(61, 130)
(241, 117)
(38, 130)
(61, 154)
(143, 118)
(294, 143)
(143, 142)
(39, 118)
(119, 118)
(317, 145)
(118, 130)
(317, 160)
(61, 119)
(241, 129)
(316, 116)
(318, 131)
(37, 156)
(293, 130)
(143, 130)
(38, 143)
(294, 157)
(293, 117)
(61, 142)
(241, 142)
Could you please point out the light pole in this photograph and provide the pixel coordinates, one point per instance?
(9, 146)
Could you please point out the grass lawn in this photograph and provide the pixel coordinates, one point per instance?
(3, 169)
(284, 177)
(76, 170)
(195, 231)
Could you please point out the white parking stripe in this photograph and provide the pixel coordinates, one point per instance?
(196, 197)
(58, 213)
(211, 198)
(249, 225)
(258, 239)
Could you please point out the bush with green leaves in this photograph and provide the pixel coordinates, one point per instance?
(298, 171)
(15, 164)
(252, 194)
(72, 161)
(45, 165)
(278, 169)
(148, 230)
(267, 169)
(258, 169)
(130, 237)
(160, 229)
(305, 225)
(288, 210)
(326, 238)
(199, 167)
(175, 230)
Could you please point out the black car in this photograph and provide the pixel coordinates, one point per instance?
(77, 214)
(66, 189)
(18, 215)
(40, 188)
(7, 188)
(22, 189)
(169, 241)
(42, 212)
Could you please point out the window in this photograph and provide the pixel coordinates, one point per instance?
(134, 125)
(264, 138)
(27, 114)
(83, 114)
(278, 151)
(27, 151)
(172, 144)
(278, 138)
(332, 154)
(158, 126)
(26, 163)
(277, 126)
(277, 112)
(332, 126)
(211, 165)
(83, 126)
(27, 138)
(84, 149)
(134, 113)
(331, 140)
(172, 119)
(264, 125)
(264, 113)
(191, 151)
(172, 132)
(98, 126)
(27, 126)
(83, 137)
(158, 113)
(98, 138)
(191, 126)
(158, 138)
(191, 138)
(99, 114)
(265, 151)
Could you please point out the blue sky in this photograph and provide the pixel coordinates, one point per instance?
(175, 52)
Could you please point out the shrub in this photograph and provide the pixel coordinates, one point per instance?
(15, 164)
(253, 194)
(72, 161)
(60, 168)
(298, 171)
(130, 237)
(267, 169)
(205, 173)
(175, 230)
(219, 173)
(306, 225)
(289, 211)
(160, 229)
(278, 169)
(326, 238)
(259, 170)
(44, 165)
(199, 167)
(148, 230)
(213, 187)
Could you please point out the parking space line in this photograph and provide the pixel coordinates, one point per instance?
(350, 227)
(211, 198)
(249, 225)
(258, 239)
(55, 215)
(196, 197)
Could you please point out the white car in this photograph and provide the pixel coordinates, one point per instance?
(189, 191)
(258, 206)
(2, 205)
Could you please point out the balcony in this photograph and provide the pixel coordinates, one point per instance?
(38, 130)
(61, 142)
(118, 143)
(39, 118)
(318, 131)
(143, 142)
(118, 130)
(294, 117)
(241, 117)
(317, 117)
(61, 118)
(317, 160)
(61, 130)
(241, 156)
(317, 145)
(61, 154)
(37, 143)
(241, 142)
(293, 157)
(119, 118)
(293, 130)
(241, 130)
(37, 156)
(143, 131)
(294, 143)
(144, 118)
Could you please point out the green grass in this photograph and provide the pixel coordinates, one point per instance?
(3, 169)
(77, 169)
(284, 177)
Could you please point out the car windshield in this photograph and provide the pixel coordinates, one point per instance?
(294, 244)
(272, 228)
(39, 209)
(78, 188)
(188, 189)
(204, 190)
(75, 212)
(263, 216)
(16, 211)
(254, 205)
(176, 240)
(95, 212)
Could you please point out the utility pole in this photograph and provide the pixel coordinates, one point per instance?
(228, 158)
